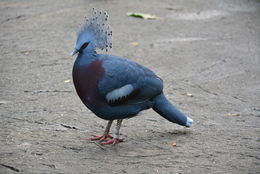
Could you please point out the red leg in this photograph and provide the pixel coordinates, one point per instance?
(106, 133)
(116, 138)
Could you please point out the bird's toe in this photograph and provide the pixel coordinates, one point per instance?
(113, 141)
(102, 137)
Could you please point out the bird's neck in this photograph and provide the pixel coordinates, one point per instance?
(85, 58)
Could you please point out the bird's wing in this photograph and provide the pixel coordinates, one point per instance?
(125, 81)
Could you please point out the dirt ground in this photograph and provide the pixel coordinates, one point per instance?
(207, 52)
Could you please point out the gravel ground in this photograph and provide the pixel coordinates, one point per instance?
(207, 52)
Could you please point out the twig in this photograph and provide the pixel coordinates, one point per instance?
(69, 127)
(142, 156)
(98, 145)
(10, 167)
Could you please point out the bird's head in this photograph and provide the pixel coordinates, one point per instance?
(95, 33)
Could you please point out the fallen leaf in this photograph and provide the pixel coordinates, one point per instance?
(26, 52)
(134, 43)
(66, 81)
(174, 144)
(189, 95)
(235, 114)
(4, 102)
(142, 15)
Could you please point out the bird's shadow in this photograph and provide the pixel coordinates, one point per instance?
(162, 136)
(145, 142)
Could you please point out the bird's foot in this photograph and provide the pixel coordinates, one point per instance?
(102, 137)
(113, 141)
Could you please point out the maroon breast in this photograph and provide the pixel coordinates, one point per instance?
(86, 80)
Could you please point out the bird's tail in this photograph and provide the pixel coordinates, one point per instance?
(163, 107)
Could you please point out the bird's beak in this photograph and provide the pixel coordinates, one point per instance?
(75, 51)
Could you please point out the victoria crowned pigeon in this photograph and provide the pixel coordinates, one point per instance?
(113, 87)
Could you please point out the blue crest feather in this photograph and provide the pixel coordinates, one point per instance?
(97, 29)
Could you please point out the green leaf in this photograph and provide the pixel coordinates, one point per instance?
(142, 15)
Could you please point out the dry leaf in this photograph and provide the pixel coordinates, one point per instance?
(142, 15)
(174, 144)
(66, 81)
(4, 102)
(189, 95)
(26, 52)
(134, 43)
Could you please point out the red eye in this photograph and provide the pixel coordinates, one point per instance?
(84, 46)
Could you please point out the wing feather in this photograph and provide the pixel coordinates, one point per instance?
(126, 81)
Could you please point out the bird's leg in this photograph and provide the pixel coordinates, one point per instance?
(106, 133)
(116, 138)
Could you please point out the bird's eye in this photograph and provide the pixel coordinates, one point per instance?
(84, 46)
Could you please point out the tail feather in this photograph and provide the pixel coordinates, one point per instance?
(163, 107)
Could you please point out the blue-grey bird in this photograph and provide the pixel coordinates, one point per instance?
(112, 87)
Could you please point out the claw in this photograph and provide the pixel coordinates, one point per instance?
(102, 137)
(113, 141)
